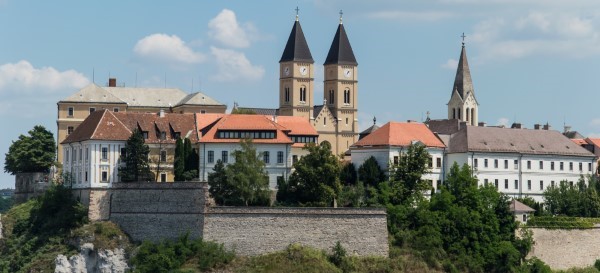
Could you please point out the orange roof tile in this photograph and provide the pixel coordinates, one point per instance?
(100, 125)
(245, 123)
(401, 134)
(298, 126)
(579, 141)
(595, 141)
(204, 120)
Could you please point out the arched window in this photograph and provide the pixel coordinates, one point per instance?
(331, 97)
(453, 113)
(473, 120)
(287, 94)
(459, 111)
(303, 94)
(347, 96)
(468, 113)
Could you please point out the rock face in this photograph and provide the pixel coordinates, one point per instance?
(91, 261)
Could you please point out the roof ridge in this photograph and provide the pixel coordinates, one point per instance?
(119, 120)
(99, 122)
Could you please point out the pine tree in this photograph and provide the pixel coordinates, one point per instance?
(136, 160)
(370, 173)
(179, 163)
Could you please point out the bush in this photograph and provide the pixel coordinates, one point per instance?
(597, 264)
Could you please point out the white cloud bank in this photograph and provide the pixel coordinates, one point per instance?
(226, 30)
(23, 76)
(165, 48)
(234, 66)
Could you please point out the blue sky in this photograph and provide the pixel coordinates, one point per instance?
(532, 61)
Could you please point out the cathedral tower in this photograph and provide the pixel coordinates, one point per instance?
(341, 88)
(296, 76)
(463, 104)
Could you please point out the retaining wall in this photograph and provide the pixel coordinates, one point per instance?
(566, 248)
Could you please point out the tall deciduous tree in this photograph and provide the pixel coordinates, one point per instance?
(136, 159)
(316, 179)
(370, 172)
(31, 153)
(407, 181)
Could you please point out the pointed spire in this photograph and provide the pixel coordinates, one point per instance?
(296, 48)
(463, 83)
(340, 51)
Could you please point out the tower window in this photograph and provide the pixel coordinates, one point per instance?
(70, 130)
(303, 94)
(347, 96)
(287, 94)
(331, 97)
(71, 111)
(453, 113)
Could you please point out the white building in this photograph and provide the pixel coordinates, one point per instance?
(392, 139)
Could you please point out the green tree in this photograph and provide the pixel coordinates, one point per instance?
(31, 153)
(316, 179)
(191, 161)
(136, 159)
(348, 175)
(243, 182)
(370, 172)
(238, 111)
(179, 162)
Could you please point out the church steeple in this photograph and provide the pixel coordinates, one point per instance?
(296, 48)
(463, 104)
(340, 51)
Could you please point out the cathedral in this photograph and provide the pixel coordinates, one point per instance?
(336, 119)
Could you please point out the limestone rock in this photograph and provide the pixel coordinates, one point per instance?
(91, 261)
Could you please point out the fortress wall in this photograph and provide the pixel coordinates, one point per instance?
(566, 248)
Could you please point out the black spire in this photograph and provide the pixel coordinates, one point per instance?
(340, 51)
(462, 82)
(296, 48)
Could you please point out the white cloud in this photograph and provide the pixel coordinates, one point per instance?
(450, 64)
(233, 66)
(411, 15)
(226, 30)
(165, 48)
(595, 122)
(22, 76)
(503, 122)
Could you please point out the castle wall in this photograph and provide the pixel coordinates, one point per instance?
(562, 249)
(30, 185)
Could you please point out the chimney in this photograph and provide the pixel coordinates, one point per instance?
(112, 82)
(516, 125)
(161, 113)
(482, 124)
(537, 126)
(547, 127)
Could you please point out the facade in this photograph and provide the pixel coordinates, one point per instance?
(75, 108)
(387, 143)
(520, 162)
(336, 119)
(92, 153)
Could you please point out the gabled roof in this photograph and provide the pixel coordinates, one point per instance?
(400, 134)
(463, 84)
(99, 125)
(296, 48)
(198, 98)
(94, 94)
(297, 126)
(516, 206)
(507, 140)
(340, 51)
(245, 123)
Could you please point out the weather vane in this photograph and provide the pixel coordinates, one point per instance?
(341, 15)
(297, 9)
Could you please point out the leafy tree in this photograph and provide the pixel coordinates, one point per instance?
(136, 159)
(370, 173)
(407, 181)
(580, 200)
(348, 174)
(179, 162)
(316, 179)
(191, 161)
(244, 181)
(31, 153)
(57, 211)
(238, 111)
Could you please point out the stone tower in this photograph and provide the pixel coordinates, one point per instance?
(341, 89)
(296, 78)
(463, 104)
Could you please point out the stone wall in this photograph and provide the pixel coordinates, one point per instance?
(254, 231)
(155, 211)
(562, 249)
(29, 185)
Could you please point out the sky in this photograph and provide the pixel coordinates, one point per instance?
(532, 61)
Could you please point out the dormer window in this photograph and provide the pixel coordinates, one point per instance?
(145, 134)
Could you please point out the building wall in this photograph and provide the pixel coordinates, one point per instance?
(29, 185)
(562, 249)
(85, 163)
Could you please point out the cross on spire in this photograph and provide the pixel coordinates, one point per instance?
(297, 9)
(374, 120)
(463, 38)
(341, 15)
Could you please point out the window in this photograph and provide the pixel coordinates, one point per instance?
(552, 166)
(211, 156)
(541, 165)
(163, 135)
(66, 155)
(70, 112)
(104, 176)
(438, 162)
(541, 185)
(347, 96)
(551, 183)
(485, 182)
(86, 176)
(145, 134)
(116, 109)
(396, 160)
(430, 162)
(287, 94)
(294, 159)
(266, 157)
(104, 153)
(92, 109)
(516, 184)
(529, 184)
(74, 154)
(123, 153)
(506, 184)
(528, 164)
(580, 166)
(80, 154)
(496, 183)
(163, 177)
(324, 121)
(280, 157)
(331, 97)
(475, 163)
(303, 94)
(562, 167)
(571, 183)
(346, 121)
(438, 184)
(163, 156)
(224, 156)
(87, 154)
(70, 130)
(570, 166)
(505, 164)
(485, 163)
(516, 164)
(496, 163)
(589, 167)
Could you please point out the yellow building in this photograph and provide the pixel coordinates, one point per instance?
(77, 107)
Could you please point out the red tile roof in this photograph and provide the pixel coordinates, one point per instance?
(298, 126)
(401, 134)
(245, 123)
(99, 125)
(595, 141)
(579, 141)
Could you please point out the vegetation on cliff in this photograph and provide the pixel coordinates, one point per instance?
(31, 153)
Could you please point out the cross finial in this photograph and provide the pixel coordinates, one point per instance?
(341, 15)
(463, 38)
(427, 114)
(374, 120)
(297, 10)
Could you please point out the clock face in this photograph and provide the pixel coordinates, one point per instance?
(347, 73)
(303, 70)
(286, 70)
